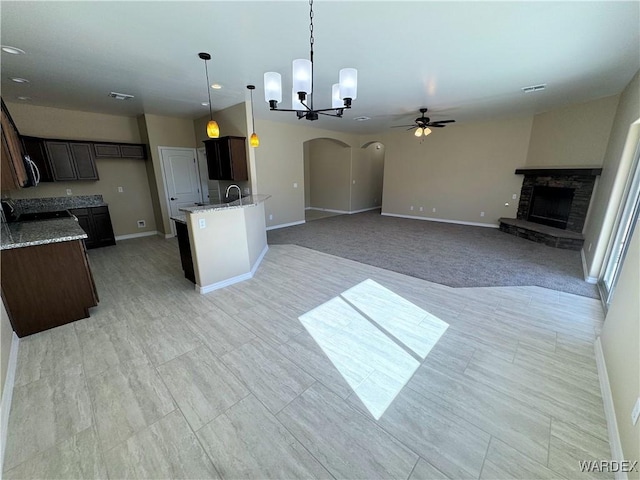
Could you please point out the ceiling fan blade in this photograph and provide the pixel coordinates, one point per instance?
(399, 126)
(443, 121)
(432, 125)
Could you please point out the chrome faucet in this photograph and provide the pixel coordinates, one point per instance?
(226, 195)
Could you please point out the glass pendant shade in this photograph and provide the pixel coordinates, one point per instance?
(336, 100)
(418, 132)
(427, 131)
(302, 75)
(295, 102)
(272, 87)
(349, 83)
(254, 141)
(213, 131)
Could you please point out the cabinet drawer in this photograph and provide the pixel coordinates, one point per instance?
(107, 150)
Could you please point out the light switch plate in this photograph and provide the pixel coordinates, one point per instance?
(202, 223)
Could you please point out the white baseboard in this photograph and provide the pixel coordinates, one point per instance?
(7, 394)
(136, 235)
(284, 225)
(609, 409)
(442, 220)
(236, 279)
(364, 210)
(587, 278)
(166, 235)
(344, 212)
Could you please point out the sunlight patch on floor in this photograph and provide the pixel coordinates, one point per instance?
(373, 336)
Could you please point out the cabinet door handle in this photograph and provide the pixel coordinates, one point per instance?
(172, 198)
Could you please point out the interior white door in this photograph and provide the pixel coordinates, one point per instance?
(204, 176)
(181, 178)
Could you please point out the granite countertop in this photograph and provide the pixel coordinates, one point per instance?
(54, 204)
(182, 218)
(28, 234)
(248, 201)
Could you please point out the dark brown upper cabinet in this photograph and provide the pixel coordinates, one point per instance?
(227, 158)
(71, 160)
(34, 147)
(120, 150)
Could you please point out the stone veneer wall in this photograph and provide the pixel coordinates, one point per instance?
(583, 188)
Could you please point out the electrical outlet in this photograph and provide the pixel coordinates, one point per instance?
(514, 196)
(354, 182)
(142, 224)
(411, 207)
(270, 216)
(295, 185)
(636, 412)
(68, 191)
(482, 214)
(120, 189)
(421, 209)
(202, 223)
(433, 210)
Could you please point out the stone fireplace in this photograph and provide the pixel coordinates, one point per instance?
(553, 206)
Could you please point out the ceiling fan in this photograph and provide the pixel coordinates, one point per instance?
(424, 124)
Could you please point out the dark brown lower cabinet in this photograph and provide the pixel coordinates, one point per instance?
(96, 222)
(185, 251)
(45, 286)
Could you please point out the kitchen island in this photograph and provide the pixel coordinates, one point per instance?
(46, 277)
(227, 241)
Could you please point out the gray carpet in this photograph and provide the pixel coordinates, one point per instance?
(449, 254)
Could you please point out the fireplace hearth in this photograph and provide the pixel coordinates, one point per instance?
(553, 206)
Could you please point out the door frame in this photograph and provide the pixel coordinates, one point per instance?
(165, 185)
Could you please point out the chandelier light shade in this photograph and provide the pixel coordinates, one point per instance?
(342, 93)
(213, 131)
(254, 141)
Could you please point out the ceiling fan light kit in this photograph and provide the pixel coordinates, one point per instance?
(342, 93)
(424, 124)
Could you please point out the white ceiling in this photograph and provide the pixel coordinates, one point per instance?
(462, 60)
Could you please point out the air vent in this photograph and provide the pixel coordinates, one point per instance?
(362, 119)
(534, 88)
(120, 96)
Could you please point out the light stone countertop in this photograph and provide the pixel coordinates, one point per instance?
(181, 218)
(27, 234)
(248, 201)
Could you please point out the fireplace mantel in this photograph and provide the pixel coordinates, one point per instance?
(546, 171)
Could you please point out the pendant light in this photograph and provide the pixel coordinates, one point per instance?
(343, 93)
(254, 141)
(213, 131)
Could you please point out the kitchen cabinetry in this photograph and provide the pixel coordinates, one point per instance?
(227, 158)
(120, 150)
(71, 160)
(13, 173)
(44, 286)
(96, 222)
(185, 251)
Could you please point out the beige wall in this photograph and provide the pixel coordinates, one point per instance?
(367, 171)
(280, 163)
(621, 347)
(615, 171)
(164, 132)
(6, 335)
(461, 171)
(330, 174)
(307, 176)
(575, 135)
(125, 208)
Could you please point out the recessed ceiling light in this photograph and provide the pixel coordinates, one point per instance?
(216, 86)
(24, 99)
(362, 119)
(13, 50)
(19, 80)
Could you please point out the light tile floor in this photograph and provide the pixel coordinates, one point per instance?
(162, 382)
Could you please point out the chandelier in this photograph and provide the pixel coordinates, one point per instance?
(342, 93)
